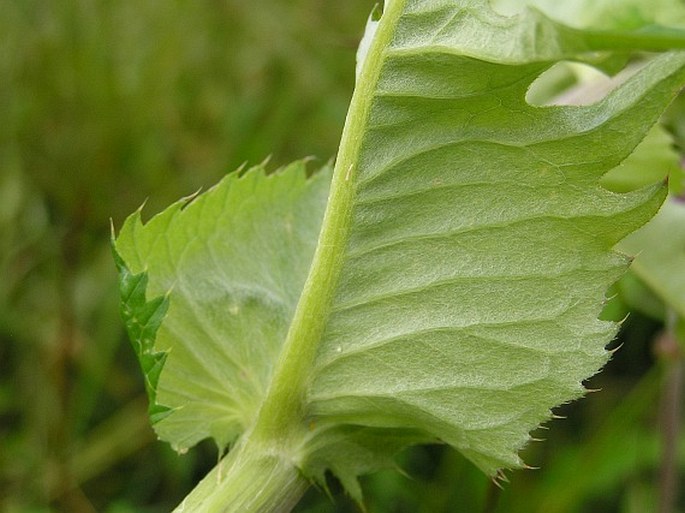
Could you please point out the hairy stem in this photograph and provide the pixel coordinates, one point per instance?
(248, 480)
(282, 412)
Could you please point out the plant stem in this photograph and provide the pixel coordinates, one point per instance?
(248, 480)
(655, 41)
(283, 412)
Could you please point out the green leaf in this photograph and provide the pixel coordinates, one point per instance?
(479, 246)
(231, 264)
(660, 246)
(464, 255)
(143, 319)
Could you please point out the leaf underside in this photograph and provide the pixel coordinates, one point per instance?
(478, 256)
(232, 262)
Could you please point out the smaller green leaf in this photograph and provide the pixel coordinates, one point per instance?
(228, 266)
(660, 246)
(638, 296)
(355, 451)
(143, 319)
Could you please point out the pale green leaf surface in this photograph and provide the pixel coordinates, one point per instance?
(232, 262)
(654, 160)
(660, 250)
(480, 245)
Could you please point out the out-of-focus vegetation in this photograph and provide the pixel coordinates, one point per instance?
(104, 105)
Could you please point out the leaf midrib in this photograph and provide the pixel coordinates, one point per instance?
(280, 420)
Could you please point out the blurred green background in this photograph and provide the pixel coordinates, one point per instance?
(105, 105)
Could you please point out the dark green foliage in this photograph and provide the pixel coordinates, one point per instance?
(142, 319)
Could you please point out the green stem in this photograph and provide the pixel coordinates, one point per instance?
(283, 413)
(248, 480)
(655, 41)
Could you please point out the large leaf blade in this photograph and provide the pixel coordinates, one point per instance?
(480, 241)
